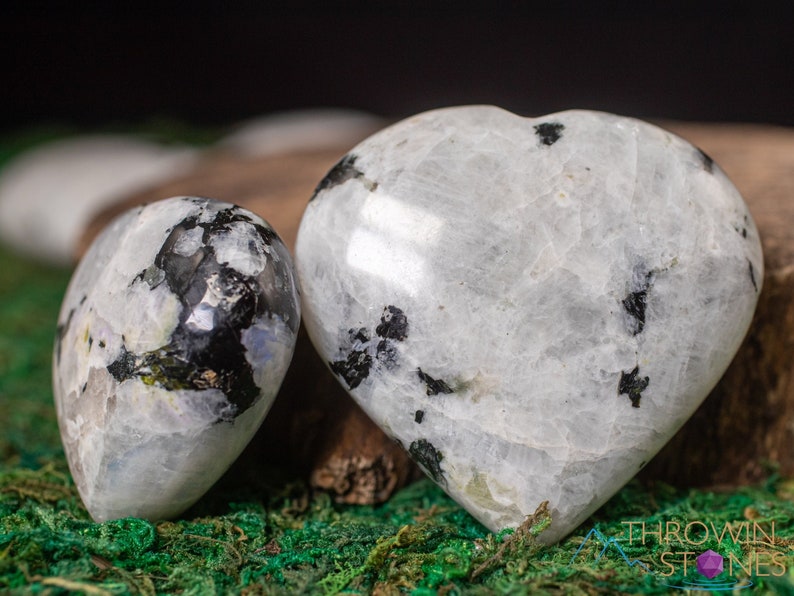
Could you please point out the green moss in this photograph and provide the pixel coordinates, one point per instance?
(260, 531)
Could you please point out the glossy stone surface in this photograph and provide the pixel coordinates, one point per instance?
(175, 333)
(50, 193)
(532, 307)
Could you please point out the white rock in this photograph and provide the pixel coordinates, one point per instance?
(301, 130)
(532, 307)
(174, 336)
(49, 194)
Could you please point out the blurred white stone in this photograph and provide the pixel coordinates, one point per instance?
(49, 194)
(301, 130)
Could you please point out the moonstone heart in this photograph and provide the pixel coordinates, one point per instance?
(532, 307)
(174, 336)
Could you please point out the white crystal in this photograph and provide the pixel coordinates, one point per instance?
(49, 194)
(532, 307)
(300, 130)
(174, 336)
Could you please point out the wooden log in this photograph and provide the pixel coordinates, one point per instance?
(275, 187)
(742, 431)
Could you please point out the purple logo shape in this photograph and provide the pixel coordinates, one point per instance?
(710, 564)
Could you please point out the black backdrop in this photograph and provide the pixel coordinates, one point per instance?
(208, 64)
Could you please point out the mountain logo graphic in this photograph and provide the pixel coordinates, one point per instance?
(606, 543)
(709, 566)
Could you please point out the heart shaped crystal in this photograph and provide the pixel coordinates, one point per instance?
(174, 336)
(532, 307)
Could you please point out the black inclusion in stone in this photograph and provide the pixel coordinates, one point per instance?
(354, 369)
(359, 335)
(386, 353)
(393, 324)
(222, 219)
(549, 132)
(213, 358)
(234, 214)
(266, 234)
(434, 386)
(419, 415)
(179, 270)
(205, 351)
(124, 367)
(427, 456)
(343, 171)
(633, 385)
(60, 332)
(706, 161)
(752, 275)
(636, 302)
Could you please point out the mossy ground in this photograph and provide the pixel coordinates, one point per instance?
(262, 530)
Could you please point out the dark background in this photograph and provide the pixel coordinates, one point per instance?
(208, 65)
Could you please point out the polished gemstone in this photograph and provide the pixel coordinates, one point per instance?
(50, 193)
(174, 336)
(531, 307)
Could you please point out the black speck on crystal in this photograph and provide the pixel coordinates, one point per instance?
(393, 324)
(386, 353)
(706, 161)
(636, 302)
(343, 171)
(124, 367)
(434, 386)
(419, 415)
(359, 335)
(60, 332)
(633, 385)
(354, 369)
(213, 357)
(549, 132)
(427, 456)
(752, 275)
(220, 223)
